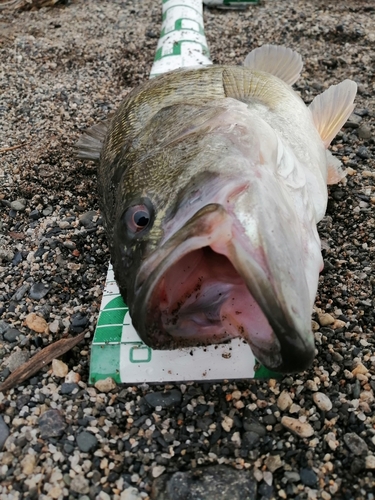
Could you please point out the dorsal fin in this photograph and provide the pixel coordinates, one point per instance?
(279, 61)
(331, 109)
(89, 146)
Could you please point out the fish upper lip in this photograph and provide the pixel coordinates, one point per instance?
(295, 348)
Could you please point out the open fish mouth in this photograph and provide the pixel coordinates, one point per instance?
(207, 284)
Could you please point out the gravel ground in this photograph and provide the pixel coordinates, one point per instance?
(306, 436)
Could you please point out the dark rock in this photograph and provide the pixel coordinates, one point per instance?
(34, 214)
(38, 291)
(86, 219)
(3, 326)
(11, 335)
(78, 323)
(68, 388)
(269, 419)
(21, 292)
(86, 441)
(164, 399)
(355, 443)
(4, 432)
(353, 121)
(308, 477)
(250, 440)
(363, 153)
(206, 483)
(51, 424)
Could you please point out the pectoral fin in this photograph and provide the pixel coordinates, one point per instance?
(89, 146)
(276, 60)
(331, 109)
(335, 171)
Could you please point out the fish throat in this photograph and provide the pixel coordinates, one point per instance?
(202, 299)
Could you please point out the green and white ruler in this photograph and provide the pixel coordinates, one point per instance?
(117, 351)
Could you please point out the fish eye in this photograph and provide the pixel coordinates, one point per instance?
(138, 218)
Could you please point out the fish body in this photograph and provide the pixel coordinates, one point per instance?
(211, 183)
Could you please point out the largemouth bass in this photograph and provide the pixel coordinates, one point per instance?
(211, 183)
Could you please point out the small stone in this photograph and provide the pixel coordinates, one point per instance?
(34, 215)
(78, 323)
(17, 359)
(302, 429)
(20, 292)
(338, 323)
(51, 424)
(28, 464)
(4, 432)
(273, 462)
(73, 378)
(284, 401)
(38, 291)
(227, 423)
(355, 443)
(363, 153)
(105, 385)
(59, 368)
(353, 121)
(370, 462)
(250, 440)
(12, 335)
(56, 492)
(211, 483)
(80, 485)
(4, 326)
(359, 369)
(35, 323)
(86, 219)
(364, 132)
(54, 326)
(157, 471)
(322, 401)
(314, 326)
(165, 399)
(68, 388)
(325, 319)
(86, 441)
(308, 477)
(130, 494)
(18, 205)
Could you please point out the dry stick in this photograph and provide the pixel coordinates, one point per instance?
(11, 148)
(40, 360)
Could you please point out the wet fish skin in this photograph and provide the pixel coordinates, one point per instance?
(227, 163)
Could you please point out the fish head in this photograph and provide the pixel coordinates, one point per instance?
(207, 243)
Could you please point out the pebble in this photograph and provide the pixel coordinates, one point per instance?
(322, 401)
(86, 219)
(359, 369)
(227, 423)
(86, 441)
(12, 335)
(363, 153)
(157, 471)
(28, 464)
(59, 368)
(250, 440)
(165, 399)
(73, 378)
(130, 494)
(38, 291)
(325, 319)
(36, 323)
(355, 443)
(364, 132)
(302, 429)
(308, 477)
(273, 462)
(68, 388)
(369, 463)
(21, 292)
(17, 359)
(51, 424)
(353, 121)
(4, 432)
(18, 205)
(80, 484)
(211, 483)
(284, 401)
(105, 385)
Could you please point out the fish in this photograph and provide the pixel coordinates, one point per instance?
(211, 183)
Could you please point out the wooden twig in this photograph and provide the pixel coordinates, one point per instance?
(40, 360)
(12, 148)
